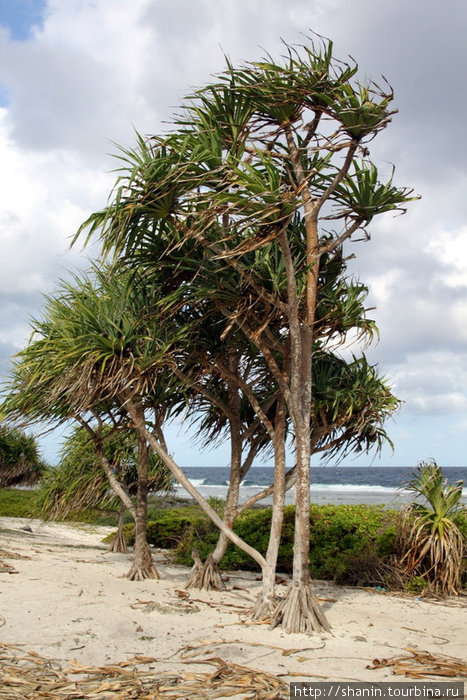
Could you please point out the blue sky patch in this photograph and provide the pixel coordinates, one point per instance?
(19, 16)
(3, 96)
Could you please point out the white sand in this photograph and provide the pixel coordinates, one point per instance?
(69, 600)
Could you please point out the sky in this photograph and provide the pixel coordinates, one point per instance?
(77, 77)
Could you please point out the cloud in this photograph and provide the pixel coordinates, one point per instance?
(7, 350)
(88, 72)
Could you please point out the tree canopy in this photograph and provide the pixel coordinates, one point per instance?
(20, 461)
(228, 290)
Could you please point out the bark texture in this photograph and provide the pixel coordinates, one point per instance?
(266, 601)
(143, 565)
(118, 544)
(300, 611)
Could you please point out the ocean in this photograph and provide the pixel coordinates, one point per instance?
(352, 485)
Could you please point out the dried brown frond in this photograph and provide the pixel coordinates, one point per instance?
(423, 664)
(26, 675)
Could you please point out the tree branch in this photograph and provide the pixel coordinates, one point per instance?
(115, 484)
(338, 178)
(336, 242)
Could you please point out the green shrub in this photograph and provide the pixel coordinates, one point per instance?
(387, 541)
(417, 584)
(347, 542)
(461, 521)
(173, 528)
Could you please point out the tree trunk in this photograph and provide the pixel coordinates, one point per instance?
(118, 544)
(207, 576)
(181, 477)
(300, 610)
(143, 565)
(266, 602)
(113, 481)
(200, 578)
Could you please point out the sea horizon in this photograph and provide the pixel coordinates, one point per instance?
(348, 484)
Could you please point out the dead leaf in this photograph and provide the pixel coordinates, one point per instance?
(182, 594)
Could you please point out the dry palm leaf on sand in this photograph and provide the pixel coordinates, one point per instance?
(423, 664)
(29, 675)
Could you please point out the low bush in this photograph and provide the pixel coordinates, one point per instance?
(171, 529)
(348, 542)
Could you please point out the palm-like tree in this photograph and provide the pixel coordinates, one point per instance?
(431, 543)
(268, 158)
(102, 344)
(91, 342)
(350, 405)
(20, 463)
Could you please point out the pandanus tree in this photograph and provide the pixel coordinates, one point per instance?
(350, 405)
(101, 343)
(222, 413)
(272, 151)
(20, 462)
(91, 341)
(432, 546)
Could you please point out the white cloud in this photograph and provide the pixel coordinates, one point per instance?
(92, 71)
(450, 249)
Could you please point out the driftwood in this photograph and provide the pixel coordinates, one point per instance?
(8, 554)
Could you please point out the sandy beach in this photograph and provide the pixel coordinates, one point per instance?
(63, 597)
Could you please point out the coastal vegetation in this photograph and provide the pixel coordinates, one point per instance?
(20, 462)
(17, 503)
(80, 484)
(432, 530)
(349, 544)
(342, 538)
(353, 545)
(228, 301)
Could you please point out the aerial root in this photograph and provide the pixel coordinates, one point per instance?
(264, 607)
(118, 544)
(205, 577)
(143, 566)
(140, 573)
(300, 611)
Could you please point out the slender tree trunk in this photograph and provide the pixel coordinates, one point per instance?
(207, 579)
(300, 610)
(181, 477)
(143, 565)
(208, 576)
(118, 544)
(266, 602)
(113, 481)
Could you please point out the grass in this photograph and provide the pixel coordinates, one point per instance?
(17, 503)
(20, 503)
